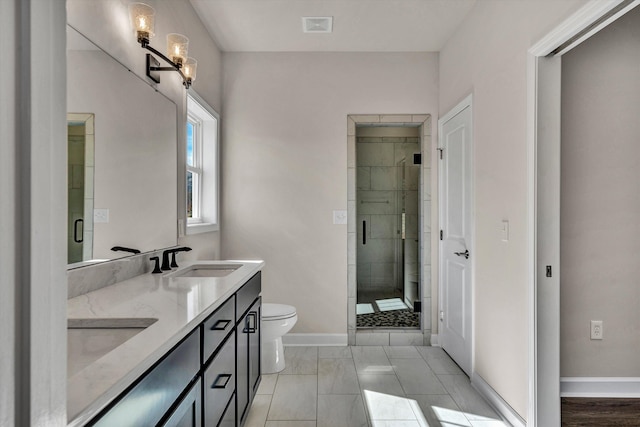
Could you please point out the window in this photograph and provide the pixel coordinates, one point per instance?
(194, 169)
(201, 166)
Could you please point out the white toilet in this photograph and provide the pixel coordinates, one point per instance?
(277, 320)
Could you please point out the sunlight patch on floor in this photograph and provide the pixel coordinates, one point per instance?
(391, 304)
(364, 309)
(388, 410)
(378, 369)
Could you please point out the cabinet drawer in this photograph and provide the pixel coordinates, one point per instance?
(217, 327)
(219, 383)
(147, 402)
(247, 294)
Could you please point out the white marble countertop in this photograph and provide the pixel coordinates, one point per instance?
(179, 304)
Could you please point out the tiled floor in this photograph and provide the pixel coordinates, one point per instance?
(369, 386)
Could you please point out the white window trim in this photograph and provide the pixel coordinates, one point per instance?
(209, 188)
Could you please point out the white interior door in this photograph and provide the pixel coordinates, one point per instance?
(456, 249)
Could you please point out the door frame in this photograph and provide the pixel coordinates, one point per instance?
(467, 102)
(543, 190)
(421, 336)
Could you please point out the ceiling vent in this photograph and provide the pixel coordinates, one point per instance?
(317, 24)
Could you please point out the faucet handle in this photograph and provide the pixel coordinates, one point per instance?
(156, 269)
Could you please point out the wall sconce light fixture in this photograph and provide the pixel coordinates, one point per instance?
(142, 19)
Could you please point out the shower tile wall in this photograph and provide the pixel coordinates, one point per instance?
(377, 180)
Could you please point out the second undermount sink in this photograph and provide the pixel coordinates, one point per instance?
(207, 270)
(90, 339)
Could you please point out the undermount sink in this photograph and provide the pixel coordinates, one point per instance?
(207, 270)
(90, 339)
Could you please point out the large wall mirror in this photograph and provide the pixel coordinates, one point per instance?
(122, 158)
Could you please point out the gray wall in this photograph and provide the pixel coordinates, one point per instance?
(487, 56)
(600, 202)
(285, 164)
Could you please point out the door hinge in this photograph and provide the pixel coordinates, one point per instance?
(549, 273)
(441, 150)
(441, 235)
(441, 316)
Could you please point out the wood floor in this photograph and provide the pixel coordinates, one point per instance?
(600, 412)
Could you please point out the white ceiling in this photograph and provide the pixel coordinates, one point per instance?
(358, 25)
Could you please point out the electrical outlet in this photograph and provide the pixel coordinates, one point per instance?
(596, 330)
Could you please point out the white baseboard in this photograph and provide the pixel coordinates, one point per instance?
(293, 340)
(502, 407)
(434, 340)
(600, 387)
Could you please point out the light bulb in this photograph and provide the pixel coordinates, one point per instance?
(142, 23)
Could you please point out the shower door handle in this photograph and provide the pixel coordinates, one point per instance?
(364, 232)
(75, 231)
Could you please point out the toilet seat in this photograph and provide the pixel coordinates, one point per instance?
(277, 311)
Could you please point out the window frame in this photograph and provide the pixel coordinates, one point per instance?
(196, 170)
(206, 148)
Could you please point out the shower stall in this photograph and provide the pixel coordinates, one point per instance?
(387, 206)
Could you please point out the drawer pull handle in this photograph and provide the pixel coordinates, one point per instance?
(226, 377)
(251, 329)
(216, 326)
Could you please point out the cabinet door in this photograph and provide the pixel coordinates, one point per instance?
(242, 366)
(189, 411)
(248, 358)
(146, 404)
(254, 348)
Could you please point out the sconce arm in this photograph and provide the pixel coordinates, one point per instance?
(152, 65)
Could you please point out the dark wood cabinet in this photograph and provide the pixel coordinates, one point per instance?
(147, 402)
(209, 379)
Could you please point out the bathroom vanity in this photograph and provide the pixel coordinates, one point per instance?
(185, 348)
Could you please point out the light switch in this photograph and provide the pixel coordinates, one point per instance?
(505, 231)
(339, 217)
(100, 215)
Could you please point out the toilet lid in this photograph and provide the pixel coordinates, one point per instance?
(277, 311)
